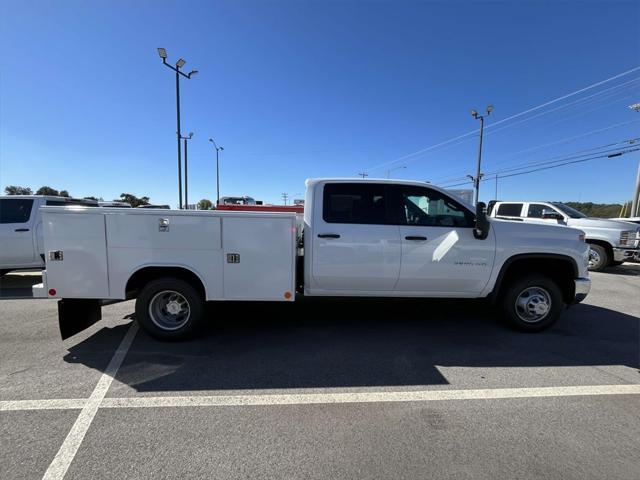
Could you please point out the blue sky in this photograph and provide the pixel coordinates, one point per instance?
(299, 89)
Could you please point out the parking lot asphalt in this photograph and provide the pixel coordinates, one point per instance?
(325, 389)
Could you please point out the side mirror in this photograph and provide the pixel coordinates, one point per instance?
(482, 227)
(548, 214)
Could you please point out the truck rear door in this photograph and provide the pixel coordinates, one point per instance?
(355, 246)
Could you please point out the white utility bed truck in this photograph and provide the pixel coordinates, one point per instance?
(358, 238)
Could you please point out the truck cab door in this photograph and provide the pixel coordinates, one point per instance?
(440, 255)
(16, 236)
(356, 248)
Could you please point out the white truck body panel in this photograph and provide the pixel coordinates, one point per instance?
(103, 248)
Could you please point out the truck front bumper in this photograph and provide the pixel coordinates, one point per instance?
(625, 254)
(582, 288)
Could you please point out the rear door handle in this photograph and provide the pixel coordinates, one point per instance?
(415, 237)
(21, 230)
(328, 235)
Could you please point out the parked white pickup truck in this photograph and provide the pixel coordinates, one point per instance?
(359, 238)
(21, 245)
(611, 242)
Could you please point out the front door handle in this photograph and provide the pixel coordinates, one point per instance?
(328, 235)
(415, 237)
(21, 230)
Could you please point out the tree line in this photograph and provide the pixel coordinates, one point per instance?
(129, 198)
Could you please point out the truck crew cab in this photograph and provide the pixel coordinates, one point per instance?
(358, 238)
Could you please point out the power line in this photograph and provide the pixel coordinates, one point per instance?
(614, 154)
(517, 115)
(557, 158)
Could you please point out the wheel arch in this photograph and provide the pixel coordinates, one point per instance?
(604, 244)
(561, 268)
(146, 274)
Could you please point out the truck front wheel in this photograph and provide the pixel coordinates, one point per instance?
(598, 258)
(532, 303)
(170, 309)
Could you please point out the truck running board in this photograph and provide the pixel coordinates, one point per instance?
(76, 315)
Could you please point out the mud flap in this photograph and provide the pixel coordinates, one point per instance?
(76, 315)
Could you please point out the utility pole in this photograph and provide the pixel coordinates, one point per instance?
(363, 174)
(179, 64)
(393, 169)
(636, 193)
(218, 150)
(476, 179)
(285, 197)
(186, 171)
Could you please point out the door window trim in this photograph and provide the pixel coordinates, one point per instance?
(398, 214)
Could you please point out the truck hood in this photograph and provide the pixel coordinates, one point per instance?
(601, 223)
(538, 230)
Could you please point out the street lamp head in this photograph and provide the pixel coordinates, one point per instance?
(193, 72)
(474, 114)
(220, 148)
(190, 134)
(162, 52)
(489, 109)
(180, 63)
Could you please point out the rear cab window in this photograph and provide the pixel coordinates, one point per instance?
(15, 210)
(358, 203)
(509, 210)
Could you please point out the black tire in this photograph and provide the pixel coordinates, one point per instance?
(162, 323)
(598, 258)
(523, 295)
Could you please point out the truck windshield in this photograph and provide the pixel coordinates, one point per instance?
(570, 212)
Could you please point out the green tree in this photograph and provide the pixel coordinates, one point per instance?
(16, 190)
(93, 198)
(47, 191)
(133, 200)
(599, 210)
(64, 193)
(205, 204)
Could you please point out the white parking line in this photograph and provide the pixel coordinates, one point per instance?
(69, 448)
(53, 404)
(319, 398)
(369, 397)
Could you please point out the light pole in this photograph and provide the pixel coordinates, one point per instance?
(636, 193)
(476, 179)
(396, 168)
(218, 150)
(179, 64)
(186, 171)
(363, 174)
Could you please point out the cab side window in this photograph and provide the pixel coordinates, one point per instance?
(535, 210)
(15, 210)
(424, 207)
(360, 203)
(509, 210)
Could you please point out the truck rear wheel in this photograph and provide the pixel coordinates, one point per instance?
(598, 258)
(170, 309)
(532, 303)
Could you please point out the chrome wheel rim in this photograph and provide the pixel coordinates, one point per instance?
(169, 310)
(533, 304)
(594, 258)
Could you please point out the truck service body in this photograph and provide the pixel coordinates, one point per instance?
(360, 238)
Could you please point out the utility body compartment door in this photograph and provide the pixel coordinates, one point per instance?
(75, 251)
(259, 258)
